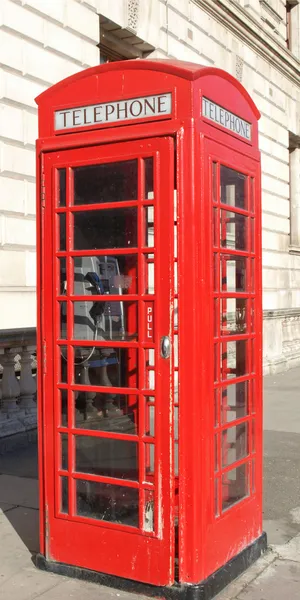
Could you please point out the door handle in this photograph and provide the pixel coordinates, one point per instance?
(165, 347)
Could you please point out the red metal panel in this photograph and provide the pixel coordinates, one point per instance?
(104, 546)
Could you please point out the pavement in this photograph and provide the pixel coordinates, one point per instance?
(276, 575)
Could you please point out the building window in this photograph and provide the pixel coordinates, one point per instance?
(120, 43)
(292, 26)
(294, 163)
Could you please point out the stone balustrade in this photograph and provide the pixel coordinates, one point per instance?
(18, 408)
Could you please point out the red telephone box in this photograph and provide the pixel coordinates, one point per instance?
(150, 320)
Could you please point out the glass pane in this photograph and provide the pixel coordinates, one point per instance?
(216, 453)
(234, 359)
(149, 193)
(62, 231)
(107, 502)
(216, 361)
(150, 369)
(149, 226)
(63, 398)
(106, 367)
(216, 235)
(217, 512)
(233, 188)
(235, 444)
(149, 462)
(215, 272)
(104, 321)
(64, 451)
(63, 364)
(176, 422)
(235, 486)
(62, 284)
(234, 401)
(62, 308)
(175, 342)
(233, 316)
(233, 230)
(62, 187)
(176, 388)
(216, 405)
(176, 459)
(99, 229)
(215, 182)
(107, 457)
(105, 275)
(149, 511)
(111, 182)
(116, 413)
(233, 273)
(150, 420)
(64, 507)
(149, 274)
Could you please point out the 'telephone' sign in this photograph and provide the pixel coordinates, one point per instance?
(112, 112)
(227, 119)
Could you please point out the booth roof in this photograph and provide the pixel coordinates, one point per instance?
(179, 68)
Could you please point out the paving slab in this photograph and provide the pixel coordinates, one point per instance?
(21, 462)
(20, 491)
(28, 584)
(25, 522)
(14, 554)
(4, 507)
(77, 590)
(280, 580)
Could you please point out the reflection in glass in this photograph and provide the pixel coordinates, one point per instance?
(62, 307)
(149, 274)
(235, 486)
(107, 502)
(63, 395)
(149, 511)
(150, 462)
(235, 444)
(104, 321)
(62, 285)
(107, 457)
(233, 273)
(64, 495)
(110, 182)
(233, 187)
(62, 362)
(234, 359)
(62, 231)
(64, 451)
(105, 274)
(117, 367)
(233, 316)
(234, 401)
(150, 420)
(116, 413)
(62, 187)
(149, 226)
(233, 230)
(99, 229)
(150, 369)
(149, 193)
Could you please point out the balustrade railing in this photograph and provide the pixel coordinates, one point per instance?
(18, 408)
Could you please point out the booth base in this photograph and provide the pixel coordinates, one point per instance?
(206, 590)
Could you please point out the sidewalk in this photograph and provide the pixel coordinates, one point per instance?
(274, 577)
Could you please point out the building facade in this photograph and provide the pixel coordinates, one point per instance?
(257, 41)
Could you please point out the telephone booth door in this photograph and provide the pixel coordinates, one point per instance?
(232, 183)
(108, 298)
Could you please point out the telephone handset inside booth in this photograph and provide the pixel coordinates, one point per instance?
(98, 321)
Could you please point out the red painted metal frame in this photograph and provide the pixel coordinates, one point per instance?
(205, 541)
(65, 542)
